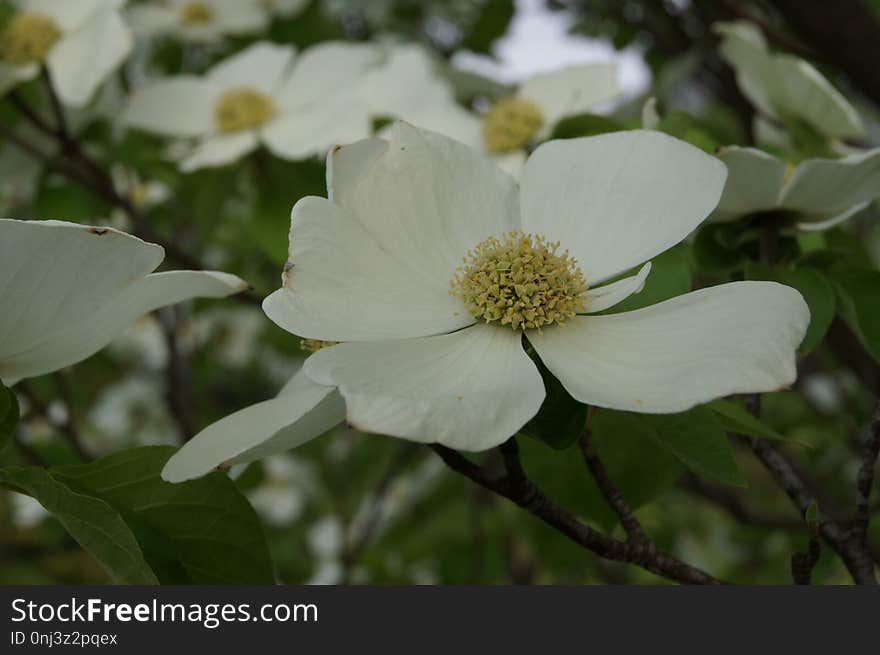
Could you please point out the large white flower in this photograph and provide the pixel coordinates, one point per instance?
(782, 86)
(66, 290)
(199, 20)
(295, 106)
(435, 270)
(816, 194)
(80, 43)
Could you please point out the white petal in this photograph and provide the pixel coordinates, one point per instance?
(828, 223)
(239, 16)
(181, 106)
(428, 200)
(83, 59)
(78, 340)
(650, 114)
(804, 92)
(219, 150)
(302, 411)
(754, 182)
(327, 69)
(609, 295)
(734, 338)
(616, 200)
(571, 90)
(449, 119)
(470, 390)
(262, 66)
(306, 132)
(824, 188)
(150, 20)
(341, 285)
(54, 274)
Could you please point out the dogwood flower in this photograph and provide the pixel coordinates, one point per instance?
(295, 106)
(66, 290)
(512, 125)
(784, 87)
(80, 44)
(816, 194)
(199, 20)
(433, 270)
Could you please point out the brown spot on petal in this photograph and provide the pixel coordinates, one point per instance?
(288, 265)
(99, 230)
(335, 149)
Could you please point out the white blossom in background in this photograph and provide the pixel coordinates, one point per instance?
(430, 266)
(199, 20)
(26, 511)
(79, 42)
(784, 87)
(816, 194)
(510, 126)
(281, 495)
(67, 290)
(297, 106)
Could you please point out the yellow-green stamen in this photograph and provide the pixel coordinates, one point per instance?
(520, 281)
(314, 345)
(241, 109)
(27, 38)
(511, 124)
(196, 13)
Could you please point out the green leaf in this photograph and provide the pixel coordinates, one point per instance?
(688, 128)
(198, 532)
(813, 286)
(585, 125)
(491, 24)
(715, 247)
(93, 523)
(560, 419)
(737, 419)
(8, 416)
(57, 198)
(670, 277)
(858, 301)
(698, 440)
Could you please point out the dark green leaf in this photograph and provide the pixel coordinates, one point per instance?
(585, 125)
(670, 277)
(858, 301)
(560, 419)
(8, 416)
(698, 440)
(814, 287)
(491, 24)
(92, 522)
(715, 247)
(737, 419)
(688, 128)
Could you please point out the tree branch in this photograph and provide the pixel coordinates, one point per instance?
(516, 487)
(865, 480)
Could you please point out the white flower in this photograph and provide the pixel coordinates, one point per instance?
(816, 194)
(511, 125)
(66, 290)
(199, 20)
(295, 106)
(410, 218)
(782, 86)
(81, 43)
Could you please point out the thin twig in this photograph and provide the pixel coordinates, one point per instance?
(731, 503)
(865, 480)
(66, 427)
(518, 488)
(802, 564)
(177, 375)
(632, 527)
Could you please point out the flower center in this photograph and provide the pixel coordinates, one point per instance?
(520, 280)
(196, 13)
(510, 124)
(28, 37)
(241, 109)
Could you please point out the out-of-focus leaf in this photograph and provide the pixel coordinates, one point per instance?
(736, 418)
(491, 24)
(56, 198)
(585, 125)
(145, 530)
(687, 128)
(858, 301)
(813, 286)
(715, 247)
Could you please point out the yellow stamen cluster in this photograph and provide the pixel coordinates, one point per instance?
(196, 13)
(520, 280)
(511, 124)
(314, 345)
(242, 109)
(27, 38)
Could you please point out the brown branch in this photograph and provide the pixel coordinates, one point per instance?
(865, 480)
(632, 527)
(518, 488)
(802, 564)
(177, 374)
